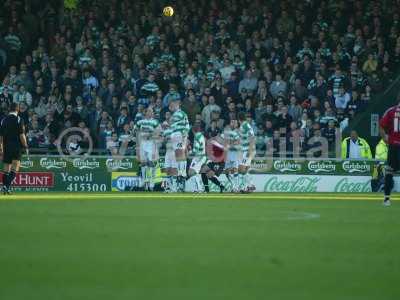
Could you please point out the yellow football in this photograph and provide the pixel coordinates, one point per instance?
(168, 11)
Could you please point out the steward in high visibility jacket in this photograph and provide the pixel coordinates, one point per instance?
(381, 150)
(354, 147)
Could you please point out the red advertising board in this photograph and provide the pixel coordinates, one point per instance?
(33, 179)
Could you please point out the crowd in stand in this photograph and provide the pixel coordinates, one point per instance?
(296, 68)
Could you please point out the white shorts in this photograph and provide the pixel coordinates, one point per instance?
(197, 163)
(245, 159)
(178, 141)
(170, 161)
(147, 151)
(232, 160)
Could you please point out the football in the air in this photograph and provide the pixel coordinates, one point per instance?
(168, 11)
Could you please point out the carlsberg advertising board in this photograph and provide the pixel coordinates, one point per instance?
(289, 166)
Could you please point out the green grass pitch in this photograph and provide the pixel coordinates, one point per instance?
(155, 246)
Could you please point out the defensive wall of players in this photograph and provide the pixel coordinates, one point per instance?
(104, 174)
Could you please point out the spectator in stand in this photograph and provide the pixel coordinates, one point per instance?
(89, 81)
(330, 134)
(68, 117)
(232, 86)
(208, 109)
(342, 99)
(295, 138)
(370, 65)
(22, 95)
(191, 106)
(315, 143)
(278, 87)
(5, 96)
(35, 136)
(260, 112)
(299, 90)
(294, 109)
(213, 130)
(113, 144)
(122, 119)
(276, 144)
(284, 118)
(216, 117)
(248, 83)
(227, 70)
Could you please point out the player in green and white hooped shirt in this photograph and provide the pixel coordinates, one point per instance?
(170, 165)
(148, 131)
(180, 129)
(199, 157)
(232, 146)
(248, 152)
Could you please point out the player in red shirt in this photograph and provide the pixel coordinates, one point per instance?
(390, 125)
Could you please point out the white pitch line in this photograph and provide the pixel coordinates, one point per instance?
(278, 216)
(304, 216)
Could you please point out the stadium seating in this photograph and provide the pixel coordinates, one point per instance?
(293, 67)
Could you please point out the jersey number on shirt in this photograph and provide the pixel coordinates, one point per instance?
(396, 125)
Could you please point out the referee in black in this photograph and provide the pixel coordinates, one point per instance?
(12, 142)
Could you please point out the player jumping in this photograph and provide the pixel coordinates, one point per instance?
(248, 151)
(170, 165)
(232, 153)
(180, 128)
(390, 129)
(199, 157)
(148, 130)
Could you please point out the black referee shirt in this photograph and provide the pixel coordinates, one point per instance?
(11, 128)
